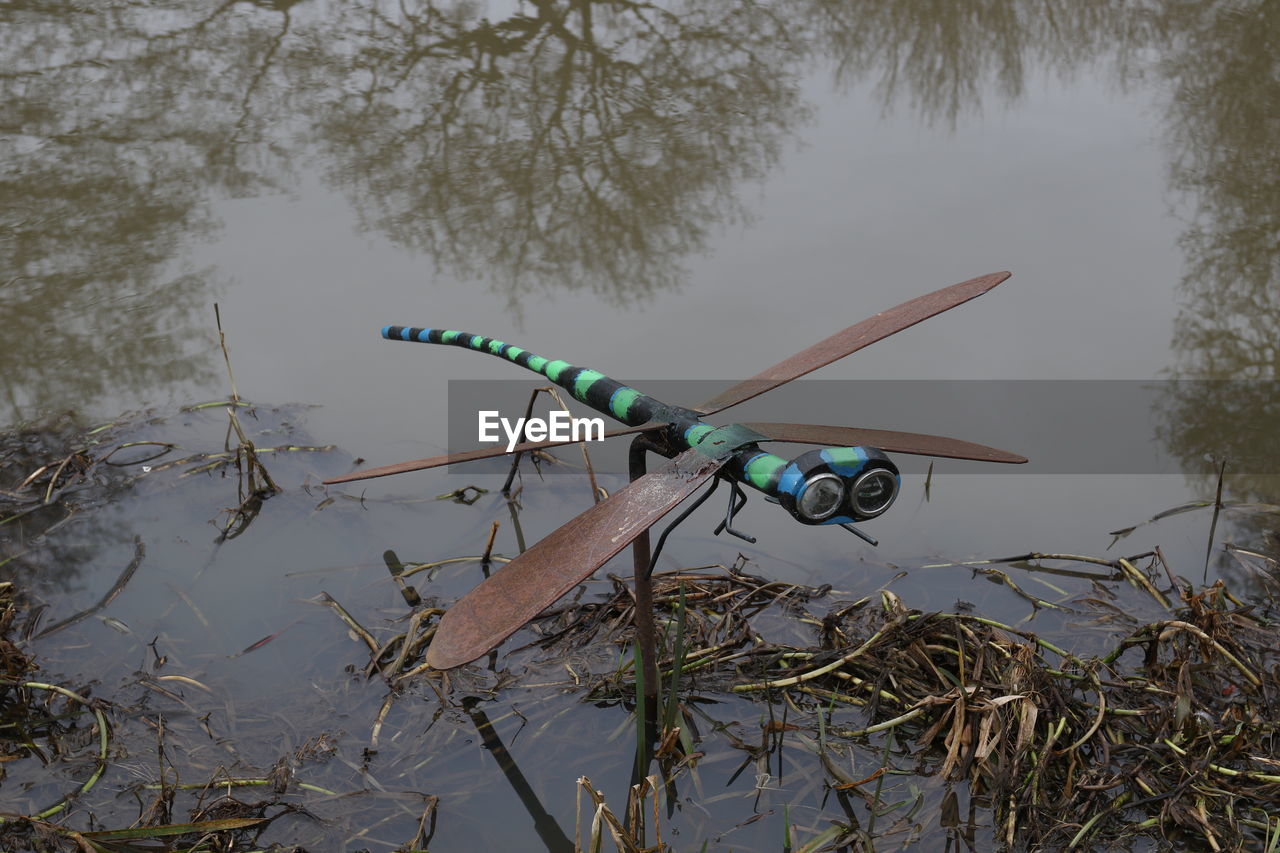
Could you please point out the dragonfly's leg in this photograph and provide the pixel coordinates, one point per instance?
(737, 500)
(515, 460)
(863, 536)
(657, 549)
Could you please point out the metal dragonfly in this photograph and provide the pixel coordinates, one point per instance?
(850, 480)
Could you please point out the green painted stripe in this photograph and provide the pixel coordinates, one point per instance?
(699, 432)
(555, 368)
(449, 336)
(475, 341)
(844, 461)
(495, 347)
(583, 383)
(514, 352)
(764, 470)
(536, 363)
(621, 403)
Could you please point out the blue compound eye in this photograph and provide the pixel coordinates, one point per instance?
(820, 497)
(873, 492)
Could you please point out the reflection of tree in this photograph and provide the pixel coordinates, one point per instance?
(587, 145)
(576, 144)
(1224, 115)
(1225, 122)
(89, 307)
(109, 147)
(941, 57)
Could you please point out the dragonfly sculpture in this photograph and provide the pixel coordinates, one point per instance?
(849, 480)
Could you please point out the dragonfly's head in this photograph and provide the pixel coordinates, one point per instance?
(838, 485)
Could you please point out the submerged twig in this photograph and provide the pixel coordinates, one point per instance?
(139, 551)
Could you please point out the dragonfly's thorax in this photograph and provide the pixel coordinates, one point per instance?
(678, 419)
(718, 442)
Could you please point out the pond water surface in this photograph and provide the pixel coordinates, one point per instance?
(663, 192)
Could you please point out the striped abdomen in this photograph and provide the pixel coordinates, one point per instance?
(590, 387)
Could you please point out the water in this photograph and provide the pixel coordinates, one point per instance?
(692, 193)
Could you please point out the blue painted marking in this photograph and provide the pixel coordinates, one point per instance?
(791, 481)
(404, 334)
(386, 332)
(425, 336)
(614, 396)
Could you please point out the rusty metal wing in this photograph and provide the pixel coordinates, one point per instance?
(853, 339)
(526, 586)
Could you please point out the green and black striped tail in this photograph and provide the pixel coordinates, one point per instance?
(605, 395)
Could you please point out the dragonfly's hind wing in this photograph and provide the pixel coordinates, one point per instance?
(920, 444)
(469, 456)
(853, 339)
(526, 586)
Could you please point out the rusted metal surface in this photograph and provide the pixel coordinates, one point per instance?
(853, 339)
(526, 586)
(646, 631)
(727, 439)
(466, 456)
(920, 444)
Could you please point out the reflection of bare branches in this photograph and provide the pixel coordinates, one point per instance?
(44, 24)
(941, 57)
(264, 66)
(99, 192)
(587, 146)
(1224, 116)
(71, 318)
(572, 144)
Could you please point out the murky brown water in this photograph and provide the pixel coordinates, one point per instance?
(692, 191)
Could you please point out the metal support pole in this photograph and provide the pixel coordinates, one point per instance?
(646, 634)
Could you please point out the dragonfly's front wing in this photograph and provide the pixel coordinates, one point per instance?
(526, 586)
